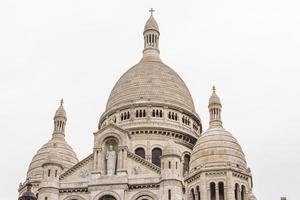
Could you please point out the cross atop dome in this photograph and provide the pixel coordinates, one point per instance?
(215, 106)
(151, 11)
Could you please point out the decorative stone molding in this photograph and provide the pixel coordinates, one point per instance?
(239, 175)
(193, 178)
(217, 173)
(181, 137)
(144, 162)
(74, 190)
(144, 186)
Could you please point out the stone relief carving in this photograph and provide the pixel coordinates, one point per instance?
(138, 170)
(84, 173)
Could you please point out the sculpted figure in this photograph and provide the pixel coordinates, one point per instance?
(111, 159)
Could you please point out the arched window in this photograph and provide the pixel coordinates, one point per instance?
(140, 152)
(169, 195)
(169, 164)
(186, 164)
(156, 154)
(212, 188)
(107, 197)
(198, 193)
(236, 191)
(221, 191)
(193, 194)
(243, 193)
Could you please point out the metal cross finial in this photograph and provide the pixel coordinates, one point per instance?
(151, 11)
(61, 101)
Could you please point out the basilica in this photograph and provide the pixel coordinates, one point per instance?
(149, 145)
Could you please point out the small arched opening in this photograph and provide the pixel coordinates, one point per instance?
(186, 164)
(140, 152)
(156, 156)
(212, 188)
(107, 197)
(221, 191)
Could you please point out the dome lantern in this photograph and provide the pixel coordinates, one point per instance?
(215, 107)
(60, 119)
(151, 36)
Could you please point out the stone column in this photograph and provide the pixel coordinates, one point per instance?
(95, 164)
(217, 192)
(100, 166)
(239, 197)
(230, 187)
(190, 196)
(97, 159)
(122, 157)
(119, 161)
(196, 194)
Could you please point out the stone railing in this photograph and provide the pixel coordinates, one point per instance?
(144, 162)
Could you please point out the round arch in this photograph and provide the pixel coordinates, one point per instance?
(108, 193)
(74, 197)
(118, 137)
(147, 195)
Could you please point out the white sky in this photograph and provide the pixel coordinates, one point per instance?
(78, 50)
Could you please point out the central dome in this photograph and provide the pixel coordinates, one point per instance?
(151, 81)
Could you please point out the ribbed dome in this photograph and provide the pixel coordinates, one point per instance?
(55, 151)
(151, 24)
(150, 81)
(217, 147)
(214, 98)
(252, 196)
(61, 112)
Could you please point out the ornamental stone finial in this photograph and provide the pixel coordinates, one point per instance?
(214, 88)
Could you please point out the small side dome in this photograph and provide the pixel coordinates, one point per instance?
(55, 151)
(171, 150)
(252, 196)
(53, 158)
(151, 24)
(217, 147)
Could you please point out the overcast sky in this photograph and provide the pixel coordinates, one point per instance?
(78, 49)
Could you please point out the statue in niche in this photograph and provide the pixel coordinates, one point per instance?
(111, 159)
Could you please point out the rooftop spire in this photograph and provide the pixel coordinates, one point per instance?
(60, 119)
(215, 107)
(151, 36)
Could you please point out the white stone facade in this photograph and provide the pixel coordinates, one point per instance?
(162, 153)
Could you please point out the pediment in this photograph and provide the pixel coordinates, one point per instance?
(79, 172)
